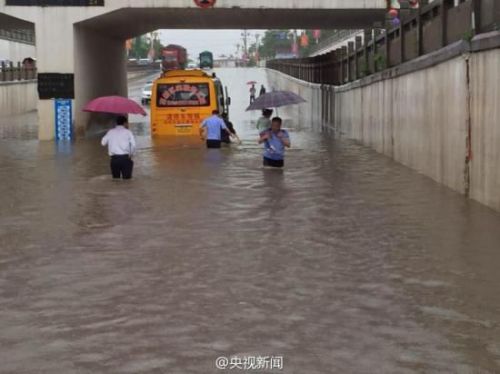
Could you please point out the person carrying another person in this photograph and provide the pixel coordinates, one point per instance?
(264, 122)
(211, 128)
(275, 141)
(121, 147)
(225, 135)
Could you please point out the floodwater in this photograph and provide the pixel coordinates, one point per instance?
(344, 262)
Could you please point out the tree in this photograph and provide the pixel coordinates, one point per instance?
(142, 44)
(281, 41)
(275, 41)
(140, 47)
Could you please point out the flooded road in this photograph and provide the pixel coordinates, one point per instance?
(344, 262)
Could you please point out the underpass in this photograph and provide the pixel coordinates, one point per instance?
(88, 47)
(344, 262)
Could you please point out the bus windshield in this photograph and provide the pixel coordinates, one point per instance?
(183, 94)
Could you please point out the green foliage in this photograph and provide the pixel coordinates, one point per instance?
(364, 69)
(468, 35)
(380, 61)
(272, 43)
(252, 62)
(141, 45)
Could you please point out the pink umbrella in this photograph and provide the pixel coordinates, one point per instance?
(114, 104)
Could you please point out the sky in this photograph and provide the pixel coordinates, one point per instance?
(219, 42)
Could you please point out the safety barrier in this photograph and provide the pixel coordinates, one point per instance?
(10, 72)
(432, 27)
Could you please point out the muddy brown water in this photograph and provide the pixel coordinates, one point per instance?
(344, 262)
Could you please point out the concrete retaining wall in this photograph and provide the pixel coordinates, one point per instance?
(305, 115)
(419, 119)
(423, 118)
(485, 128)
(18, 97)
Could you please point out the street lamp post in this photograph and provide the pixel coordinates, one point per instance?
(245, 34)
(257, 55)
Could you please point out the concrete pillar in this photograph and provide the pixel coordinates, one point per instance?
(97, 61)
(357, 47)
(476, 8)
(368, 37)
(54, 41)
(345, 65)
(100, 70)
(420, 33)
(340, 66)
(376, 48)
(403, 41)
(351, 55)
(444, 24)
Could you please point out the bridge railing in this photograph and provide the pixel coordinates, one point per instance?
(16, 72)
(432, 27)
(20, 36)
(337, 37)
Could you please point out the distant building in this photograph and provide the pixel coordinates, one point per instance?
(287, 52)
(226, 62)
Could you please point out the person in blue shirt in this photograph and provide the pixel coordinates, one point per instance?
(211, 129)
(275, 141)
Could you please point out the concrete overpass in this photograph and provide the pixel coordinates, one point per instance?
(89, 41)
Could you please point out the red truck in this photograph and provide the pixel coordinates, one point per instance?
(173, 57)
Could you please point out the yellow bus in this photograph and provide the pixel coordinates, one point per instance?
(182, 99)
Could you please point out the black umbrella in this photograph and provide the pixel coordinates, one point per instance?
(275, 99)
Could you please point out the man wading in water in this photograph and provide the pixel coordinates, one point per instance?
(275, 141)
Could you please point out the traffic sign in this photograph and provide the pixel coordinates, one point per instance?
(64, 119)
(205, 3)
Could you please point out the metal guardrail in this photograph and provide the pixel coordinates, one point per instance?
(435, 25)
(338, 37)
(20, 36)
(137, 67)
(16, 72)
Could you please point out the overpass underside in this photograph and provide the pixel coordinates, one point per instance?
(12, 23)
(125, 23)
(90, 44)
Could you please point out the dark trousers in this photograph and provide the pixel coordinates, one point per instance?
(273, 163)
(211, 143)
(121, 166)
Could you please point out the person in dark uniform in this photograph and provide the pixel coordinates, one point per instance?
(262, 90)
(224, 134)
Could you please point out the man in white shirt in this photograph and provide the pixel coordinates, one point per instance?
(121, 147)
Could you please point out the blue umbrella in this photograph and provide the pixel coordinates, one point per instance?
(275, 99)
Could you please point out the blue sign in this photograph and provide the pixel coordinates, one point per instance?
(64, 119)
(281, 35)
